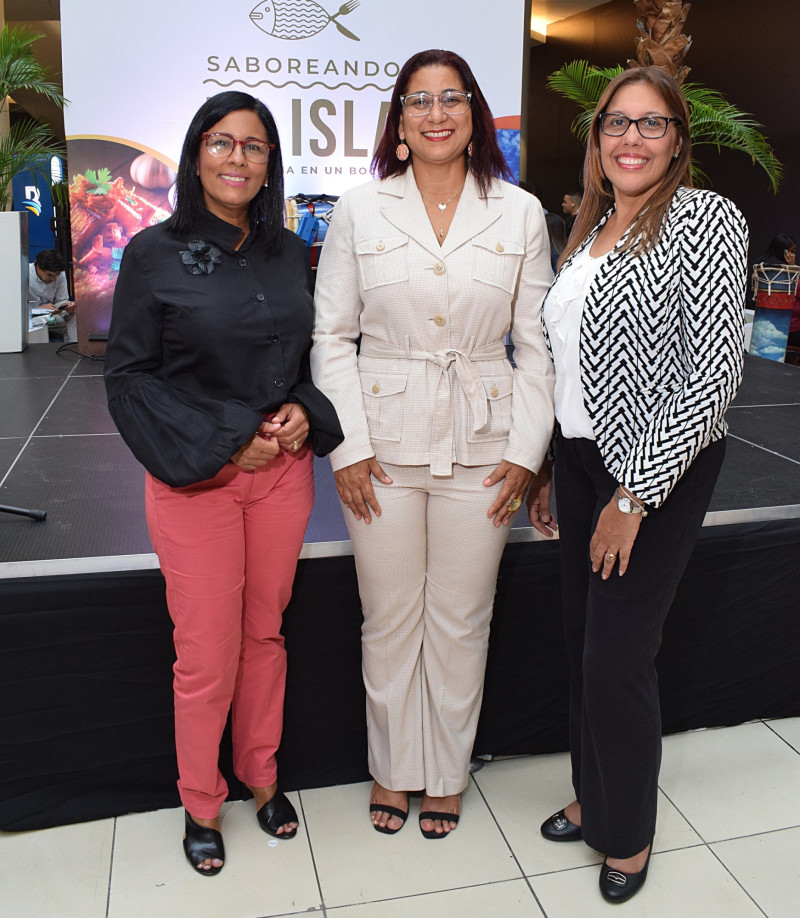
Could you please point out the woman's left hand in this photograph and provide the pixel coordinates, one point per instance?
(290, 426)
(613, 539)
(516, 479)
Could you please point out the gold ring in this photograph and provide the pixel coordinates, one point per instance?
(514, 504)
(295, 446)
(611, 556)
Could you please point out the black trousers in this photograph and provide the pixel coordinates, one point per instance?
(613, 633)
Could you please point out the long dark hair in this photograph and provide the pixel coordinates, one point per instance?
(487, 160)
(598, 193)
(267, 206)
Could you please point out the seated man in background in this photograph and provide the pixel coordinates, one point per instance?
(48, 294)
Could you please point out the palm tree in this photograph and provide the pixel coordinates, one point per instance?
(27, 141)
(714, 120)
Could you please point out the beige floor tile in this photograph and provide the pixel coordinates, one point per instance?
(733, 781)
(789, 729)
(768, 866)
(357, 864)
(56, 873)
(510, 899)
(521, 793)
(152, 878)
(681, 884)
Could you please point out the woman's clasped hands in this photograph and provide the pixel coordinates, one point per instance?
(286, 430)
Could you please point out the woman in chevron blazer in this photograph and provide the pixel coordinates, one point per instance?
(645, 326)
(422, 275)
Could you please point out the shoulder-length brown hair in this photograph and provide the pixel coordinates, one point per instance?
(487, 160)
(598, 194)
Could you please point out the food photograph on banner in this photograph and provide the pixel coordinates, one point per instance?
(326, 71)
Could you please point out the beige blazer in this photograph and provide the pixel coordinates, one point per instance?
(409, 335)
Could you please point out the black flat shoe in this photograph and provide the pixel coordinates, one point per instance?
(431, 814)
(202, 844)
(616, 886)
(559, 828)
(275, 813)
(393, 811)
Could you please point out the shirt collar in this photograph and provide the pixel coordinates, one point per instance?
(223, 234)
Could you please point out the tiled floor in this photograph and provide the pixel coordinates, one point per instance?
(727, 846)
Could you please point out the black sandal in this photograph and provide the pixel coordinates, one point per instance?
(275, 813)
(392, 811)
(202, 844)
(433, 815)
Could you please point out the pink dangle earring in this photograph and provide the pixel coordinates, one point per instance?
(402, 151)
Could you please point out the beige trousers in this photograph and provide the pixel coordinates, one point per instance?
(427, 570)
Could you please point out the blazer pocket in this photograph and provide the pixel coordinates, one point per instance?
(384, 399)
(497, 262)
(498, 398)
(382, 260)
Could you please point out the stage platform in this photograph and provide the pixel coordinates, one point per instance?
(85, 638)
(60, 452)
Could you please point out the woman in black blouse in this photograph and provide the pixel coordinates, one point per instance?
(208, 381)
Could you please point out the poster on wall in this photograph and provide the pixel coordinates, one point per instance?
(326, 69)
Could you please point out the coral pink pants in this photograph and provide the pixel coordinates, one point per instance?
(228, 549)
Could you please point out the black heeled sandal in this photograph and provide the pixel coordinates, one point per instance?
(392, 811)
(275, 813)
(202, 844)
(433, 815)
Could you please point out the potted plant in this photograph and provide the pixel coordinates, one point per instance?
(23, 145)
(662, 42)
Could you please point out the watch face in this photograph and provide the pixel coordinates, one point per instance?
(624, 504)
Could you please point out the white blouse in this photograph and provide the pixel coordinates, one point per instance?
(563, 314)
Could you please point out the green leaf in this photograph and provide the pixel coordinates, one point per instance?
(714, 120)
(100, 179)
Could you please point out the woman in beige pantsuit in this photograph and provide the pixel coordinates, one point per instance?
(422, 275)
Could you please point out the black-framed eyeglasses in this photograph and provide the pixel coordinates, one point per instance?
(255, 151)
(451, 102)
(651, 127)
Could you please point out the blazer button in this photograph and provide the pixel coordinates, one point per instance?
(279, 383)
(439, 268)
(495, 392)
(375, 389)
(380, 247)
(243, 262)
(499, 247)
(440, 320)
(260, 297)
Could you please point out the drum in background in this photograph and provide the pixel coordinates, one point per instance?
(774, 290)
(309, 216)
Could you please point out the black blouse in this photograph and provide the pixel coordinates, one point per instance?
(201, 348)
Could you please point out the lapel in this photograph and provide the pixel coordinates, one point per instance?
(401, 204)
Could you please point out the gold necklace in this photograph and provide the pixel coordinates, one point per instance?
(443, 204)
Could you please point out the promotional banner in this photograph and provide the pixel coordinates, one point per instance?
(135, 75)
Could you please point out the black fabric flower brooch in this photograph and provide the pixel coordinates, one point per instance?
(201, 257)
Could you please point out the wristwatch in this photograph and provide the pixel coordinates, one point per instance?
(626, 505)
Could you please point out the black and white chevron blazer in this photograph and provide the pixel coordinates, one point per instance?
(662, 343)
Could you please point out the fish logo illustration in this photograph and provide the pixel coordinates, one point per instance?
(292, 20)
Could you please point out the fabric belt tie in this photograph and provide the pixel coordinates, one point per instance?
(442, 434)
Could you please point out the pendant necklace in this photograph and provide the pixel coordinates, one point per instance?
(442, 205)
